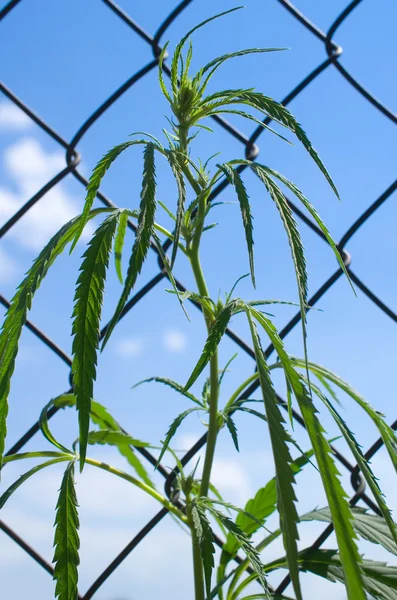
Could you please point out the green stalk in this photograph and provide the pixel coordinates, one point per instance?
(146, 488)
(214, 381)
(199, 593)
(214, 369)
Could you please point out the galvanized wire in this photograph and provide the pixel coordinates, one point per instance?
(334, 54)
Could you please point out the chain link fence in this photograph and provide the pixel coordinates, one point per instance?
(251, 148)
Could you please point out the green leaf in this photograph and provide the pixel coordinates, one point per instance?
(282, 115)
(210, 111)
(230, 424)
(172, 384)
(279, 438)
(388, 435)
(262, 505)
(5, 496)
(310, 208)
(362, 463)
(225, 368)
(214, 64)
(245, 544)
(179, 48)
(234, 179)
(379, 579)
(215, 335)
(173, 429)
(336, 496)
(87, 316)
(114, 438)
(205, 539)
(95, 181)
(143, 234)
(167, 267)
(119, 243)
(296, 246)
(161, 78)
(370, 527)
(101, 417)
(45, 429)
(20, 305)
(66, 540)
(178, 175)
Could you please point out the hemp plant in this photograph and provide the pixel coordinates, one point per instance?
(198, 506)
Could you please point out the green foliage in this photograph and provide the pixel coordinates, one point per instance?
(66, 540)
(87, 317)
(369, 526)
(20, 305)
(379, 579)
(190, 106)
(205, 538)
(143, 233)
(282, 461)
(100, 416)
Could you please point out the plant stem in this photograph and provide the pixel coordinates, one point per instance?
(146, 488)
(214, 381)
(214, 370)
(197, 562)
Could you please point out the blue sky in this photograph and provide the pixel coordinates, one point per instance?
(64, 59)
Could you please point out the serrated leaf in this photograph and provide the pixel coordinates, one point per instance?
(234, 179)
(370, 527)
(9, 491)
(147, 210)
(161, 79)
(45, 429)
(230, 424)
(362, 463)
(282, 115)
(114, 438)
(178, 175)
(178, 50)
(167, 267)
(173, 429)
(215, 335)
(95, 181)
(379, 579)
(210, 111)
(66, 539)
(336, 496)
(296, 245)
(173, 385)
(205, 539)
(119, 243)
(388, 435)
(262, 505)
(16, 315)
(87, 316)
(279, 438)
(245, 544)
(310, 208)
(214, 64)
(101, 417)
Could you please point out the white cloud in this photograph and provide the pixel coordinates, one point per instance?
(129, 347)
(174, 340)
(13, 118)
(31, 166)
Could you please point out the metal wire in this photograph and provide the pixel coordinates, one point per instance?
(72, 161)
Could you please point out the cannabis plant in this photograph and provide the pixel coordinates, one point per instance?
(197, 505)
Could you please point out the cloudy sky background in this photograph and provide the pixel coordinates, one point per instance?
(64, 59)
